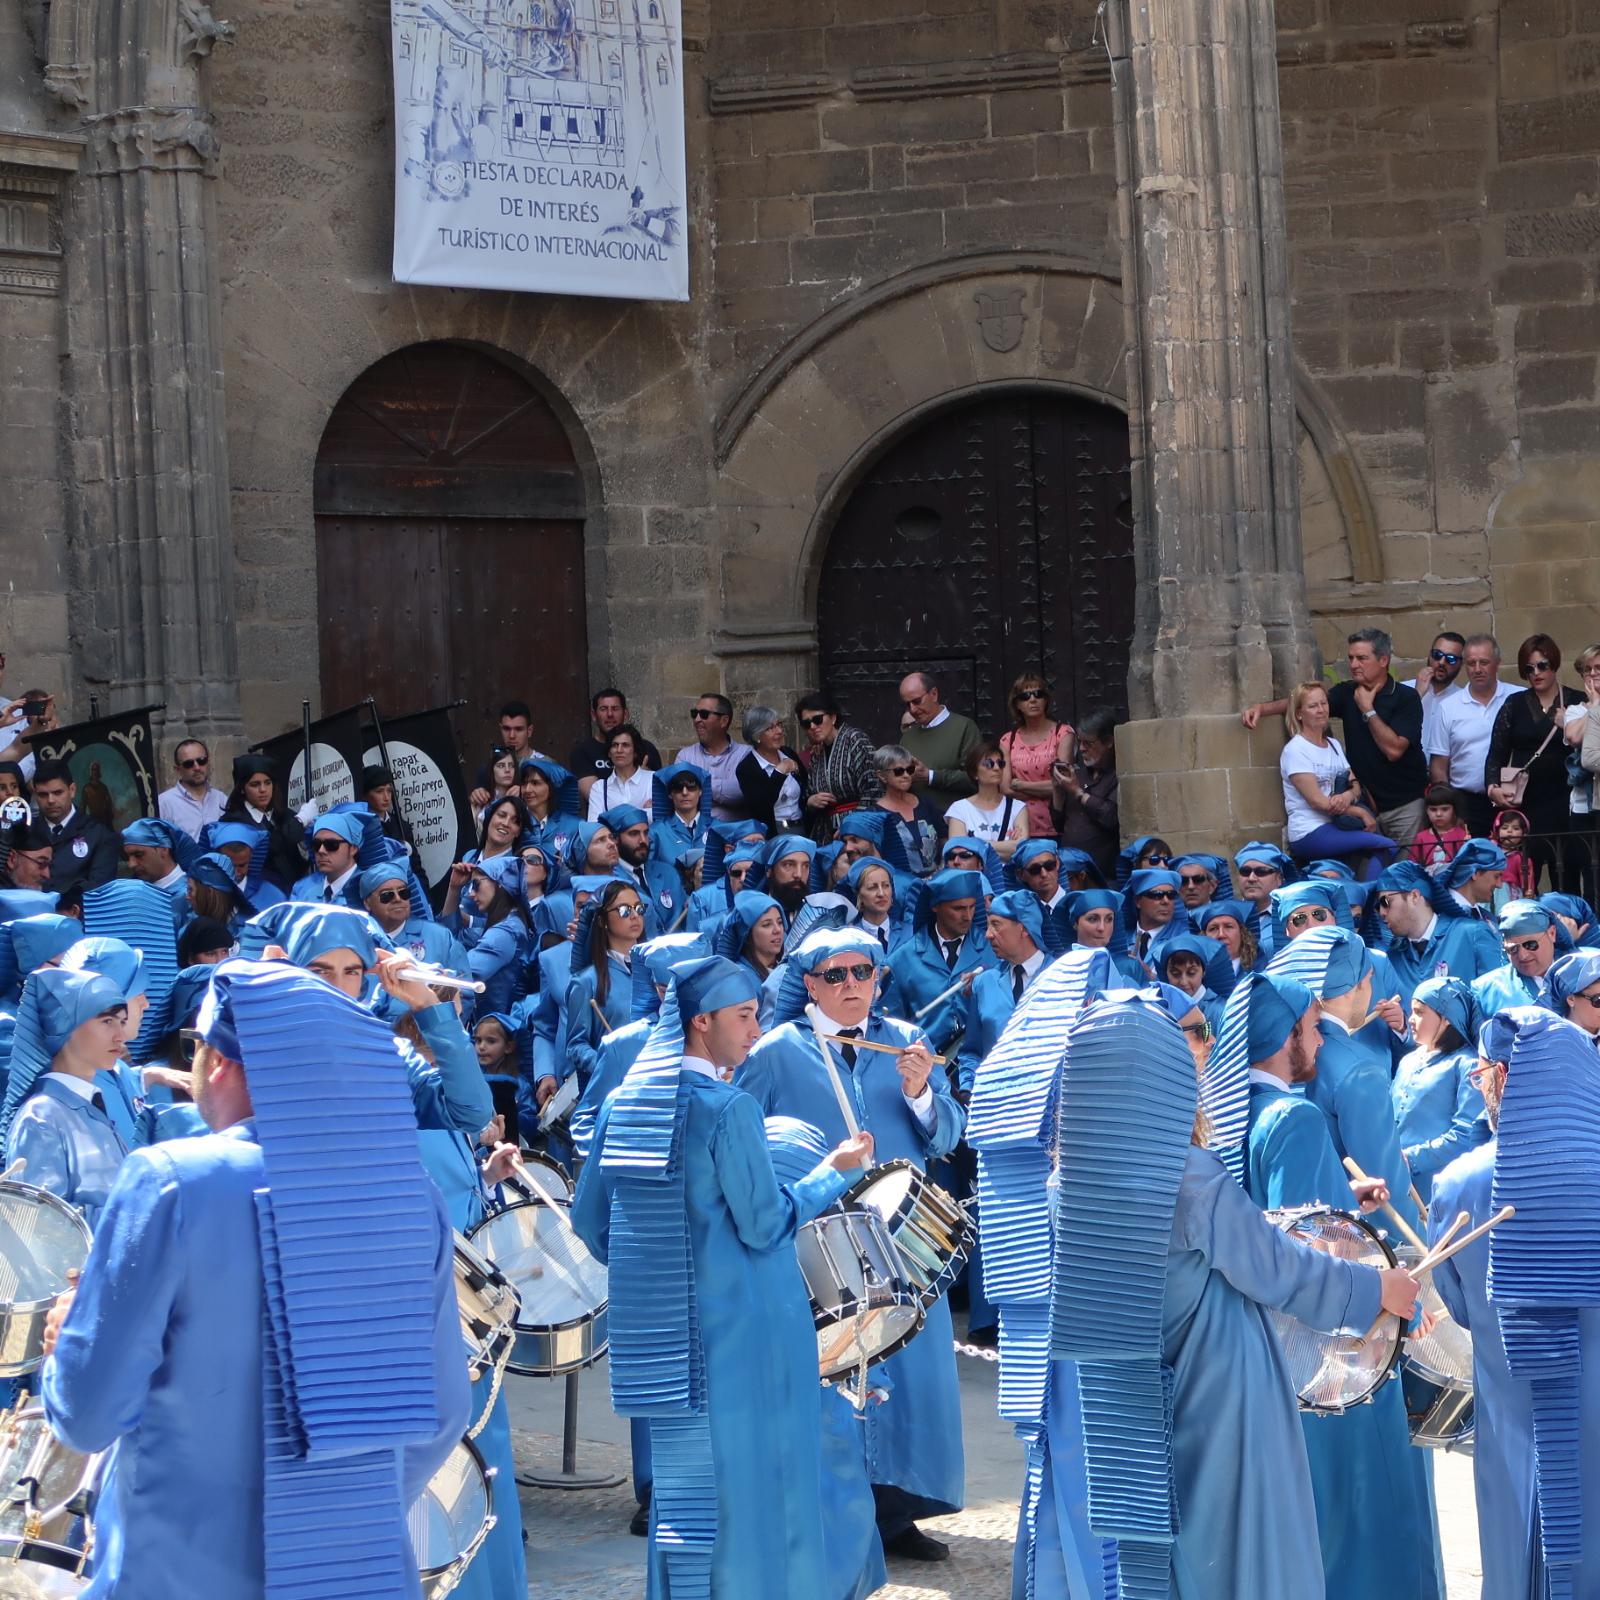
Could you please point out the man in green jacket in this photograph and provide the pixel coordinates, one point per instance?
(939, 739)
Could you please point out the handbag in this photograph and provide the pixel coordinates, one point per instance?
(1514, 780)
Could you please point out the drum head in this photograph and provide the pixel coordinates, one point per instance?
(555, 1175)
(866, 1336)
(887, 1190)
(41, 1239)
(1443, 1356)
(450, 1512)
(555, 1277)
(1330, 1373)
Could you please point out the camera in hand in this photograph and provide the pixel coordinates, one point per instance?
(34, 709)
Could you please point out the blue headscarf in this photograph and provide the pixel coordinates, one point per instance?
(32, 941)
(1453, 1000)
(506, 873)
(1291, 897)
(319, 929)
(1525, 916)
(927, 893)
(1571, 975)
(711, 984)
(1130, 853)
(583, 835)
(1476, 855)
(346, 824)
(1580, 911)
(749, 907)
(1217, 866)
(1276, 1005)
(792, 996)
(54, 1003)
(564, 798)
(620, 818)
(188, 990)
(1329, 867)
(1075, 861)
(374, 878)
(661, 784)
(1024, 906)
(1329, 961)
(652, 964)
(1405, 877)
(776, 849)
(215, 871)
(151, 833)
(110, 958)
(1031, 850)
(1082, 900)
(722, 839)
(1260, 850)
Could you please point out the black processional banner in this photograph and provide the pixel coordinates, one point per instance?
(113, 761)
(337, 742)
(429, 789)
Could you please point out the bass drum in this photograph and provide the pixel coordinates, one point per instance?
(450, 1521)
(1331, 1373)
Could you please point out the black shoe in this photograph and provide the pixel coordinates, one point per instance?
(639, 1527)
(915, 1545)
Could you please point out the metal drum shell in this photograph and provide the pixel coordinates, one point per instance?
(1449, 1423)
(22, 1321)
(834, 1303)
(440, 1581)
(923, 1202)
(59, 1573)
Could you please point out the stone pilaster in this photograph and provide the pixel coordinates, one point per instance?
(151, 546)
(1222, 615)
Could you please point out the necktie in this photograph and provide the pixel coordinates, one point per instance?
(952, 949)
(1019, 981)
(56, 830)
(1419, 947)
(883, 937)
(327, 892)
(848, 1051)
(1144, 944)
(98, 1101)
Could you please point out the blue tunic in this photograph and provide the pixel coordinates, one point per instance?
(72, 1147)
(618, 1051)
(1243, 1489)
(545, 1015)
(920, 974)
(496, 958)
(1362, 1470)
(583, 1028)
(1502, 1451)
(757, 1337)
(1460, 947)
(161, 1355)
(1505, 987)
(913, 1437)
(1438, 1113)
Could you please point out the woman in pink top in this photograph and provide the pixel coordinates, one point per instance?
(1032, 747)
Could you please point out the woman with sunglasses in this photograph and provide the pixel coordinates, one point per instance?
(839, 770)
(915, 818)
(1528, 737)
(991, 815)
(1035, 744)
(1437, 1109)
(601, 986)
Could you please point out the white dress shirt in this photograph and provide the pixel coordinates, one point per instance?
(179, 806)
(1460, 729)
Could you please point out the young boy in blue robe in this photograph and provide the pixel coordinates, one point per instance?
(1429, 934)
(711, 1331)
(914, 1447)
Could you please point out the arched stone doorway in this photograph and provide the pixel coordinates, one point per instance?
(994, 537)
(450, 511)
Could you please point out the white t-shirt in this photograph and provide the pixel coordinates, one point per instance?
(986, 824)
(610, 790)
(1326, 765)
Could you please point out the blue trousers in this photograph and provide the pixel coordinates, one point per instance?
(1328, 841)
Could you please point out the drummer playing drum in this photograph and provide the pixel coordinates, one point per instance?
(914, 1438)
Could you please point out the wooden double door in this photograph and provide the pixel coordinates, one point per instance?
(995, 538)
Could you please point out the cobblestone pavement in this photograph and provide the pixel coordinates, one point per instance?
(579, 1547)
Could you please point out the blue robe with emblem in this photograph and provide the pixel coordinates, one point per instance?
(919, 972)
(161, 1355)
(1245, 1506)
(1438, 1112)
(1502, 1450)
(913, 1437)
(497, 957)
(1460, 947)
(1361, 1468)
(757, 1338)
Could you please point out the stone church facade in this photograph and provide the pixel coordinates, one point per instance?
(1336, 266)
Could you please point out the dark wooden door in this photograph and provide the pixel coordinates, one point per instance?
(996, 538)
(450, 548)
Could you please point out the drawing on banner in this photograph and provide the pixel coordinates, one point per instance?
(540, 145)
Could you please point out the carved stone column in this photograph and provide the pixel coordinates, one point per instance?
(152, 552)
(1221, 615)
(1222, 606)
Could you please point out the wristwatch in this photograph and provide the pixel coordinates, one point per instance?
(1367, 716)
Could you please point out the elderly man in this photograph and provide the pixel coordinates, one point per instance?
(1037, 864)
(334, 842)
(1198, 880)
(1429, 935)
(386, 896)
(193, 800)
(1532, 938)
(939, 739)
(1085, 795)
(1382, 732)
(25, 855)
(717, 752)
(914, 1450)
(1456, 739)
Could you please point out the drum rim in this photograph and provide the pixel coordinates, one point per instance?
(486, 1472)
(888, 1350)
(852, 1195)
(53, 1202)
(1285, 1220)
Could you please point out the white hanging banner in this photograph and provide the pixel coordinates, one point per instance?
(539, 146)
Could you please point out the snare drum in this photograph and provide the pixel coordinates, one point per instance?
(42, 1238)
(1440, 1416)
(488, 1307)
(1331, 1374)
(561, 1321)
(930, 1229)
(47, 1498)
(552, 1171)
(863, 1309)
(450, 1520)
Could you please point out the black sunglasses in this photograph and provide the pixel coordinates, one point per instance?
(1156, 860)
(1257, 872)
(1449, 656)
(189, 1042)
(699, 714)
(1041, 866)
(814, 722)
(1310, 914)
(1158, 894)
(321, 845)
(960, 850)
(861, 971)
(387, 897)
(1537, 666)
(1030, 694)
(1198, 1030)
(902, 772)
(1593, 999)
(1195, 883)
(196, 761)
(1528, 945)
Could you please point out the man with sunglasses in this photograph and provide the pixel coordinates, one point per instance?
(193, 800)
(1430, 936)
(387, 900)
(1532, 938)
(940, 740)
(1150, 911)
(716, 752)
(333, 843)
(914, 1451)
(1198, 880)
(25, 855)
(1456, 738)
(944, 947)
(1440, 677)
(1258, 869)
(1036, 864)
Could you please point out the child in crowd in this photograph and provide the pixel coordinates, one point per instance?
(1509, 830)
(495, 1040)
(1443, 834)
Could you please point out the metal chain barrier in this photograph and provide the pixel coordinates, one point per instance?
(978, 1352)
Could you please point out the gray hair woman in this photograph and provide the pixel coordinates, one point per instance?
(919, 822)
(770, 778)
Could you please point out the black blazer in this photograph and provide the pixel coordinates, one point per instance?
(761, 791)
(86, 855)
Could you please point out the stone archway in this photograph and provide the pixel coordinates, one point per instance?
(796, 441)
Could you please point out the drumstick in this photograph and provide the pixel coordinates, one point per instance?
(846, 1109)
(939, 999)
(1441, 1254)
(1462, 1219)
(872, 1044)
(605, 1021)
(1410, 1234)
(1419, 1203)
(15, 1170)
